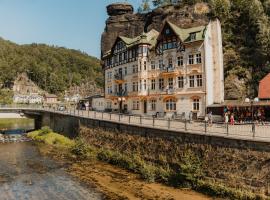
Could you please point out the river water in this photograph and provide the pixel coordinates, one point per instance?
(27, 175)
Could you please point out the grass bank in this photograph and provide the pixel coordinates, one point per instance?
(187, 174)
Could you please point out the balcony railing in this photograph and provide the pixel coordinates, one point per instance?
(168, 69)
(119, 77)
(122, 93)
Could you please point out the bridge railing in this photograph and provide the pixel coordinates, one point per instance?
(248, 131)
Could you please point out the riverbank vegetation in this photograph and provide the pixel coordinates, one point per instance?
(186, 174)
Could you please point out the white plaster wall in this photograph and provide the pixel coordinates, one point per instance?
(209, 66)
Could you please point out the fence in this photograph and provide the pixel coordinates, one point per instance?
(251, 131)
(248, 131)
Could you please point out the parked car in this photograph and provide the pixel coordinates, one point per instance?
(61, 108)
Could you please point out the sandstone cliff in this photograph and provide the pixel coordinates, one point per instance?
(123, 21)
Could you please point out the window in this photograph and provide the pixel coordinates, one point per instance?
(192, 36)
(165, 46)
(160, 64)
(198, 58)
(135, 69)
(167, 31)
(180, 61)
(126, 87)
(171, 104)
(109, 105)
(161, 83)
(180, 82)
(144, 64)
(153, 66)
(125, 70)
(135, 105)
(140, 85)
(153, 104)
(191, 81)
(153, 84)
(196, 104)
(170, 62)
(199, 80)
(140, 66)
(144, 84)
(170, 80)
(135, 86)
(170, 45)
(191, 59)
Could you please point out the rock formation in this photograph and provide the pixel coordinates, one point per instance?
(123, 21)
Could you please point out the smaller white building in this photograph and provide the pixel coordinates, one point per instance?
(28, 99)
(99, 104)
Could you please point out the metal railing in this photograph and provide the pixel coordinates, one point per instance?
(248, 131)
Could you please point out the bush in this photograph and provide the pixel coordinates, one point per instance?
(48, 137)
(45, 130)
(82, 150)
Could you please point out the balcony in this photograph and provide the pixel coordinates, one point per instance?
(122, 93)
(119, 78)
(168, 71)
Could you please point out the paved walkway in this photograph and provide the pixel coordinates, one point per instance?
(243, 132)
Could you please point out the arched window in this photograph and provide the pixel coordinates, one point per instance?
(171, 104)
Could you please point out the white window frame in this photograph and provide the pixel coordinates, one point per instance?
(180, 61)
(192, 81)
(196, 104)
(191, 59)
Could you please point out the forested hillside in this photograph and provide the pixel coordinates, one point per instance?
(53, 69)
(246, 39)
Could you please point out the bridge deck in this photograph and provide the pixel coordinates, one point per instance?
(248, 132)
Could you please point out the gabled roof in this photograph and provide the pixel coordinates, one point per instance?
(184, 34)
(152, 36)
(145, 38)
(264, 88)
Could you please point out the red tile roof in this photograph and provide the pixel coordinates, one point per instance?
(264, 88)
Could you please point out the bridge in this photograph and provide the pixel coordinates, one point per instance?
(69, 121)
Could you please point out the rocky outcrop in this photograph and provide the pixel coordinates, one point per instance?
(122, 21)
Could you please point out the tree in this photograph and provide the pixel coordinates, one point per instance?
(144, 7)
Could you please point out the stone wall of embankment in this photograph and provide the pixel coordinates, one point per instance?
(234, 163)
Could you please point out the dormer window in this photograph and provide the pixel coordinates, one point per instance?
(192, 36)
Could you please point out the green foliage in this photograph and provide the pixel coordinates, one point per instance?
(82, 150)
(144, 7)
(6, 96)
(45, 130)
(54, 69)
(48, 137)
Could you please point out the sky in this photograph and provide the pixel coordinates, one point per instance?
(74, 24)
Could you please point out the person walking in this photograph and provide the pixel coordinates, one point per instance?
(226, 118)
(232, 119)
(210, 118)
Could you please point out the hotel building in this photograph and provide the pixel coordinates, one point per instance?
(173, 71)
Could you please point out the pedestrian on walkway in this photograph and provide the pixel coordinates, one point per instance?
(232, 119)
(210, 118)
(226, 118)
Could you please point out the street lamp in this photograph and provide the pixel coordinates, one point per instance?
(252, 101)
(121, 100)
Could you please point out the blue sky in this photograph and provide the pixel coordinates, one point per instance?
(75, 24)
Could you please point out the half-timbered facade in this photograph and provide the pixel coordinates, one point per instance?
(173, 71)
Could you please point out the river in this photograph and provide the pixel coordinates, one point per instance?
(27, 175)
